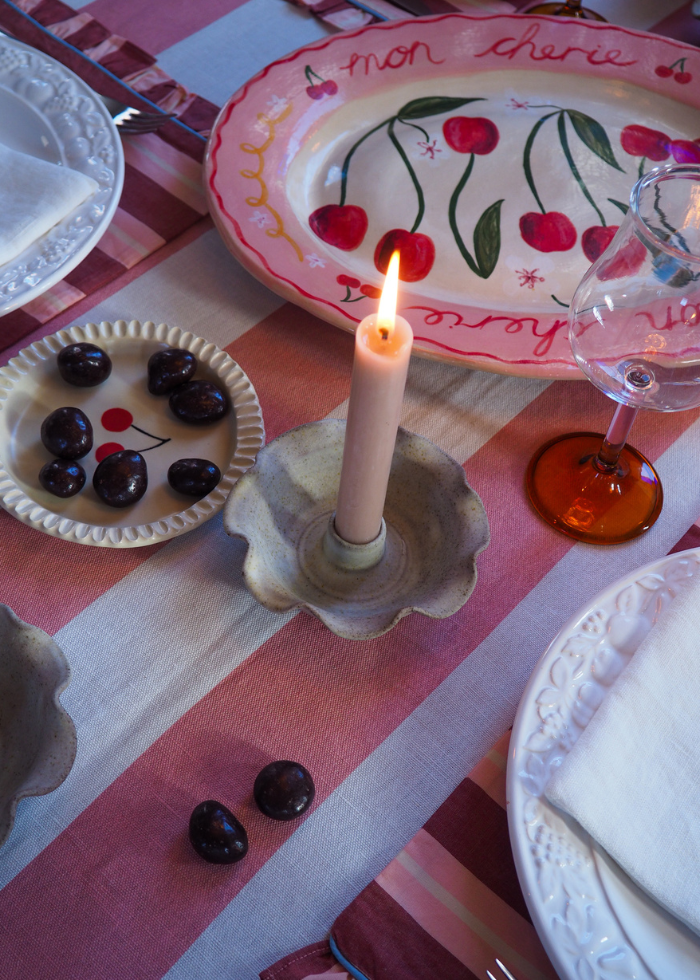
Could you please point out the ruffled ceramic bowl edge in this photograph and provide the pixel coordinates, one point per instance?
(56, 755)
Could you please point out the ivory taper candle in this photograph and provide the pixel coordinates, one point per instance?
(383, 344)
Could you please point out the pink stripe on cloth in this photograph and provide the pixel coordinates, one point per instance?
(159, 24)
(129, 240)
(173, 171)
(436, 863)
(459, 934)
(280, 703)
(488, 774)
(391, 945)
(54, 301)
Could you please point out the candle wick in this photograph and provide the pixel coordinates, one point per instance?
(384, 333)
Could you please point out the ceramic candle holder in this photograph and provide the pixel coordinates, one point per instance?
(434, 527)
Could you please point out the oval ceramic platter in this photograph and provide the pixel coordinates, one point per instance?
(50, 113)
(594, 922)
(124, 415)
(499, 152)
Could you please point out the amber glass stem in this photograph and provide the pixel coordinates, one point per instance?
(615, 437)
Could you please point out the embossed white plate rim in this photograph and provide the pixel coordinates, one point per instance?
(42, 281)
(523, 806)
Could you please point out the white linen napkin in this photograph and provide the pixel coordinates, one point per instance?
(34, 196)
(632, 779)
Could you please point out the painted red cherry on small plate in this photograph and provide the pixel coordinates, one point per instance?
(595, 240)
(341, 225)
(416, 251)
(106, 449)
(314, 91)
(550, 232)
(685, 151)
(116, 419)
(624, 262)
(640, 141)
(467, 134)
(683, 77)
(663, 71)
(372, 291)
(329, 87)
(350, 281)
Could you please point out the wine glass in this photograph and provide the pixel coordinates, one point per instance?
(634, 327)
(565, 8)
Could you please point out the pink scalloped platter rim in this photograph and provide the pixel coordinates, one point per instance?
(497, 153)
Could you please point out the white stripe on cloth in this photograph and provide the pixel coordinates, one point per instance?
(295, 898)
(201, 288)
(264, 30)
(123, 695)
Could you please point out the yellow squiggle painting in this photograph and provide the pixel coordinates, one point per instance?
(262, 200)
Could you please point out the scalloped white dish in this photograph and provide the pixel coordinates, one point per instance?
(31, 388)
(50, 113)
(36, 734)
(594, 922)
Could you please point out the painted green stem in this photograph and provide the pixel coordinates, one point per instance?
(452, 213)
(561, 125)
(348, 158)
(526, 158)
(415, 126)
(411, 172)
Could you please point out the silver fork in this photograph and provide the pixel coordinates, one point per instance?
(506, 973)
(129, 121)
(134, 122)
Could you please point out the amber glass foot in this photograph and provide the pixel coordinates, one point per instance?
(573, 493)
(561, 9)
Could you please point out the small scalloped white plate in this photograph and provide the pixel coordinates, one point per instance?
(594, 922)
(49, 112)
(31, 388)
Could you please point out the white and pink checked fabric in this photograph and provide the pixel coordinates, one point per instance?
(182, 686)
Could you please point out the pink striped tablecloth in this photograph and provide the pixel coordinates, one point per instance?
(449, 904)
(182, 686)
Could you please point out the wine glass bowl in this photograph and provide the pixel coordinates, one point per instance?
(634, 327)
(634, 324)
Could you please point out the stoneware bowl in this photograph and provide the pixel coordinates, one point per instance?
(37, 737)
(435, 527)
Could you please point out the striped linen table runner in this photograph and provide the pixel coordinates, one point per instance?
(449, 903)
(183, 687)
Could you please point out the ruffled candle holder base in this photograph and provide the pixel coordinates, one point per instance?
(435, 526)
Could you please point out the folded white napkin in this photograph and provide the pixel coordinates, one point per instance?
(34, 196)
(632, 779)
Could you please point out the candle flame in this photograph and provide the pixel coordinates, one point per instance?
(386, 317)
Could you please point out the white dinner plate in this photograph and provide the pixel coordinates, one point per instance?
(50, 113)
(594, 922)
(124, 415)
